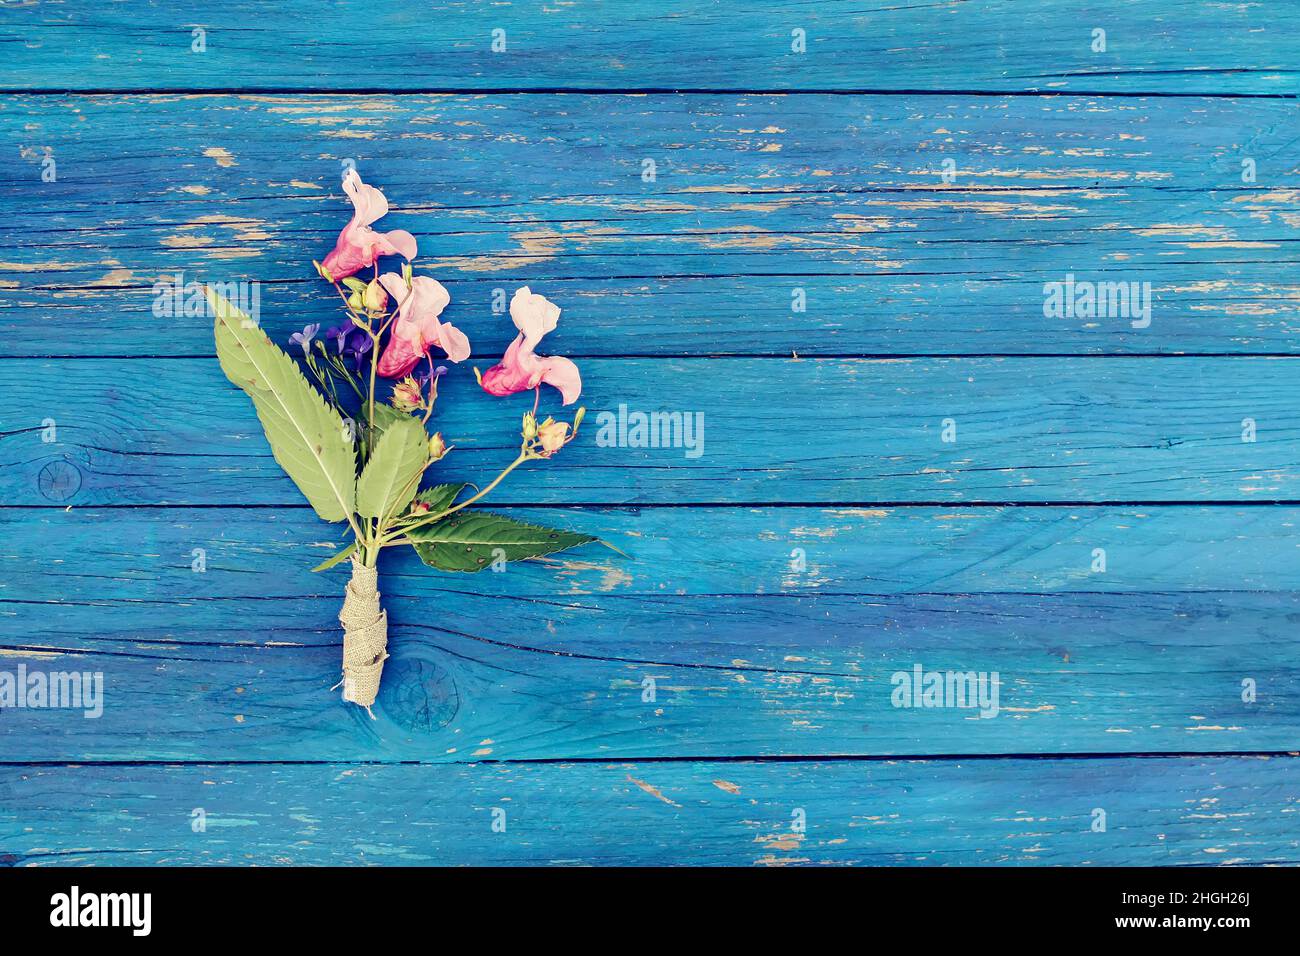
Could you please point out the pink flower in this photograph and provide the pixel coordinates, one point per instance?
(416, 328)
(359, 246)
(520, 369)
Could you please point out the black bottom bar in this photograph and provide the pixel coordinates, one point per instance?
(331, 905)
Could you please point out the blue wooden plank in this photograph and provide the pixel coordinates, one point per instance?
(768, 430)
(748, 646)
(492, 691)
(144, 554)
(755, 197)
(1186, 45)
(1248, 308)
(1169, 812)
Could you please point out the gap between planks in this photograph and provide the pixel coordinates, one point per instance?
(720, 759)
(605, 91)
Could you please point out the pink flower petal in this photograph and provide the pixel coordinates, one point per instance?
(534, 315)
(399, 358)
(370, 204)
(399, 242)
(563, 374)
(454, 342)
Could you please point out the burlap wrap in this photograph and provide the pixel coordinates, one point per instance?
(365, 636)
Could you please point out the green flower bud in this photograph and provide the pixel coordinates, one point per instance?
(374, 296)
(407, 395)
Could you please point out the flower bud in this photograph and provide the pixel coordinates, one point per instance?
(552, 435)
(407, 395)
(437, 448)
(529, 429)
(419, 508)
(355, 302)
(375, 297)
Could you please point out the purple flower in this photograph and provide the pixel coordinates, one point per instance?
(355, 344)
(339, 334)
(424, 374)
(304, 337)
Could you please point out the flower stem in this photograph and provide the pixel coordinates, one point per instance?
(387, 537)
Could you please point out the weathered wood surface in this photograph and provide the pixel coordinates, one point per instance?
(787, 625)
(1168, 811)
(455, 697)
(768, 589)
(753, 198)
(1185, 45)
(1026, 430)
(748, 551)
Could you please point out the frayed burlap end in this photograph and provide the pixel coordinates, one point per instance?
(365, 636)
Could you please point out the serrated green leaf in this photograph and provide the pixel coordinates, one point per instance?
(392, 475)
(472, 540)
(306, 434)
(439, 497)
(385, 415)
(337, 559)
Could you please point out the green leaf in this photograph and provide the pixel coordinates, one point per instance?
(330, 562)
(305, 432)
(439, 497)
(392, 474)
(385, 416)
(472, 540)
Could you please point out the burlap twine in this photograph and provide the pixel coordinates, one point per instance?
(365, 636)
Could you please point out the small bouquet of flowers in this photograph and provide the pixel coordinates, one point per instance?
(362, 460)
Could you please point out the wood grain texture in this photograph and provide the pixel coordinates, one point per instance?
(754, 197)
(678, 701)
(1186, 45)
(549, 660)
(1085, 687)
(1175, 812)
(747, 552)
(1027, 430)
